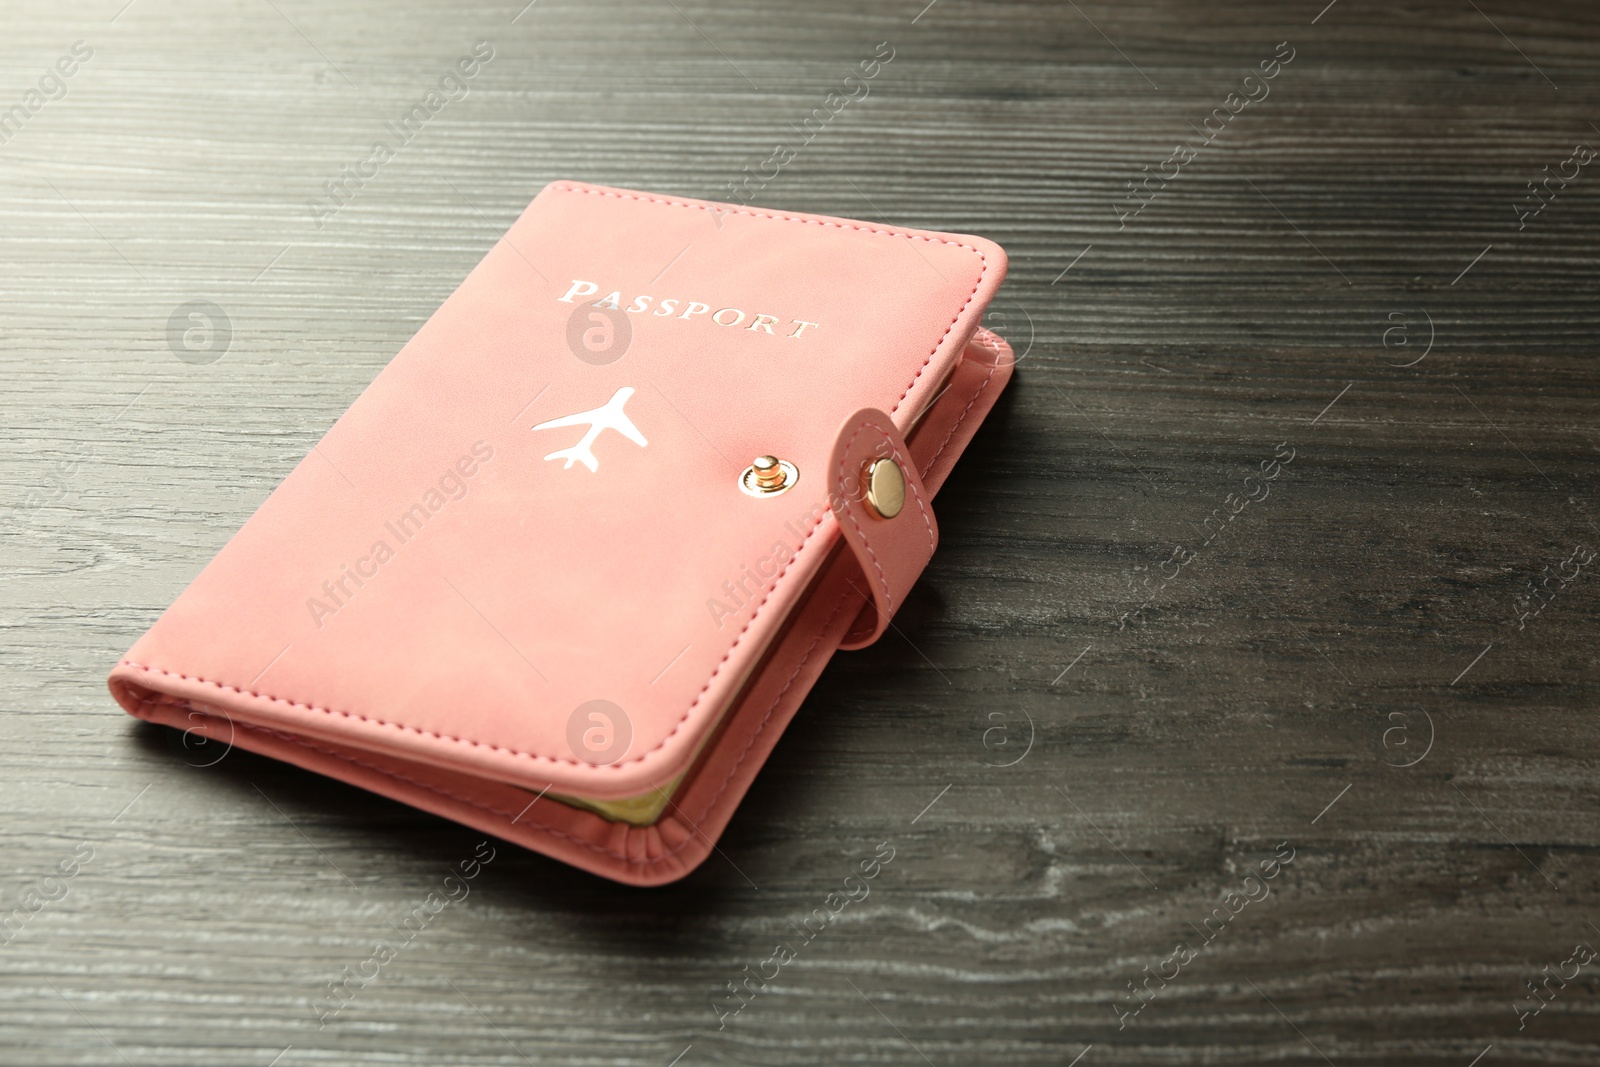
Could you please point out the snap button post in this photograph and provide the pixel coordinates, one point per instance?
(768, 476)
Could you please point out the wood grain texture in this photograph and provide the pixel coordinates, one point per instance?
(1070, 788)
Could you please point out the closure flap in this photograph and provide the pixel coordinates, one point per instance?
(885, 514)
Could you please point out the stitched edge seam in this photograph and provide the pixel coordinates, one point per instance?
(544, 827)
(976, 393)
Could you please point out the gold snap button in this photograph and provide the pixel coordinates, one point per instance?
(769, 472)
(768, 476)
(886, 488)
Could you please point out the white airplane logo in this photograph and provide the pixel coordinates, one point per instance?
(608, 416)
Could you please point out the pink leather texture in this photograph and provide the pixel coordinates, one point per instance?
(430, 599)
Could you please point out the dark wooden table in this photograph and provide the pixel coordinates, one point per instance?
(1277, 545)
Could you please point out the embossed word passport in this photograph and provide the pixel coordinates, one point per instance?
(566, 569)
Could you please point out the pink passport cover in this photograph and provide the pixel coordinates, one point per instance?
(431, 599)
